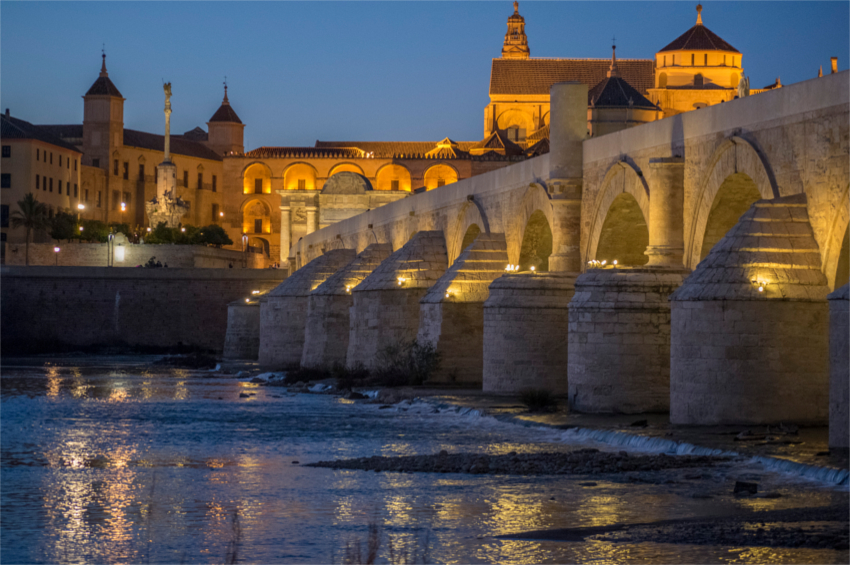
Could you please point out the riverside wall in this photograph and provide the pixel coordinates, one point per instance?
(48, 309)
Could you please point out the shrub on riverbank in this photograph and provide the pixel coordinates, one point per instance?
(405, 363)
(538, 400)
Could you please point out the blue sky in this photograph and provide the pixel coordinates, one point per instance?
(301, 71)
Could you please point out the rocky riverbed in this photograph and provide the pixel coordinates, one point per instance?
(579, 462)
(817, 528)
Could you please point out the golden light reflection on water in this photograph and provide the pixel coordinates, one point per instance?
(54, 382)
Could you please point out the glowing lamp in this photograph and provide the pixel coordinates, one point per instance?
(255, 292)
(221, 214)
(615, 261)
(81, 206)
(348, 288)
(247, 300)
(532, 268)
(56, 250)
(183, 229)
(81, 228)
(401, 281)
(123, 206)
(603, 263)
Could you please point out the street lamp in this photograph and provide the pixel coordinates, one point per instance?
(56, 251)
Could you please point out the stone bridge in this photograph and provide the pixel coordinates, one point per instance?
(751, 196)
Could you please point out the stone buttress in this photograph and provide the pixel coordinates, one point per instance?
(242, 340)
(619, 340)
(386, 303)
(749, 338)
(283, 311)
(839, 371)
(452, 311)
(328, 309)
(525, 332)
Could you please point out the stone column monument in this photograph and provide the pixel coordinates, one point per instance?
(166, 207)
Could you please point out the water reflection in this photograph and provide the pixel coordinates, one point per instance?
(109, 465)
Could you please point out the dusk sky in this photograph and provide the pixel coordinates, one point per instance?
(302, 71)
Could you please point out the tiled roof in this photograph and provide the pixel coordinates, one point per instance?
(64, 131)
(179, 145)
(616, 92)
(392, 148)
(225, 113)
(103, 86)
(537, 135)
(536, 76)
(497, 141)
(699, 38)
(305, 152)
(538, 148)
(13, 128)
(196, 134)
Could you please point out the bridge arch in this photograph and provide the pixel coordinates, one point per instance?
(534, 199)
(470, 214)
(734, 156)
(836, 251)
(622, 178)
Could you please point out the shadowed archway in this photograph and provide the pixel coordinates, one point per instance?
(734, 197)
(536, 244)
(624, 235)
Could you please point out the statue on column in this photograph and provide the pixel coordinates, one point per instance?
(166, 207)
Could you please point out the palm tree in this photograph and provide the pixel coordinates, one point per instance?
(31, 216)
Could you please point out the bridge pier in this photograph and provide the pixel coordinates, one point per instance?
(619, 340)
(741, 355)
(452, 311)
(386, 303)
(525, 333)
(242, 340)
(283, 311)
(839, 372)
(328, 309)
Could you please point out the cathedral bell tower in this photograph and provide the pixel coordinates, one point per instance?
(103, 120)
(516, 42)
(226, 129)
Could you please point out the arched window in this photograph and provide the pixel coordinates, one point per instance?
(662, 80)
(692, 59)
(705, 62)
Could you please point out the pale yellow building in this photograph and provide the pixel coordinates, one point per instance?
(35, 161)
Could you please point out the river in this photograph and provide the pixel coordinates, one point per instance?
(105, 460)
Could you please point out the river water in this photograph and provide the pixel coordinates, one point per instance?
(107, 461)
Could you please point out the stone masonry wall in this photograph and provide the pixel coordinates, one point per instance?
(243, 330)
(55, 308)
(839, 374)
(97, 254)
(619, 340)
(749, 362)
(283, 311)
(526, 324)
(386, 303)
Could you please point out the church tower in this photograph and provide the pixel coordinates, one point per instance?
(225, 129)
(103, 120)
(516, 42)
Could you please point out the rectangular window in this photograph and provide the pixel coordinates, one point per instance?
(186, 179)
(200, 181)
(50, 184)
(115, 196)
(214, 187)
(705, 62)
(6, 180)
(4, 216)
(59, 186)
(68, 163)
(665, 60)
(51, 157)
(215, 213)
(156, 174)
(86, 195)
(142, 171)
(75, 164)
(126, 199)
(37, 181)
(126, 170)
(44, 183)
(302, 184)
(394, 185)
(60, 160)
(76, 191)
(38, 154)
(441, 182)
(99, 198)
(115, 167)
(95, 162)
(258, 186)
(7, 151)
(258, 225)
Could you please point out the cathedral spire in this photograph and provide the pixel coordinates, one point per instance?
(103, 72)
(613, 71)
(516, 42)
(225, 101)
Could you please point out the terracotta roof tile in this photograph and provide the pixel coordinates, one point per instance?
(179, 145)
(536, 76)
(616, 92)
(699, 38)
(13, 128)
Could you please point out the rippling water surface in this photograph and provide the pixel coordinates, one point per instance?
(110, 462)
